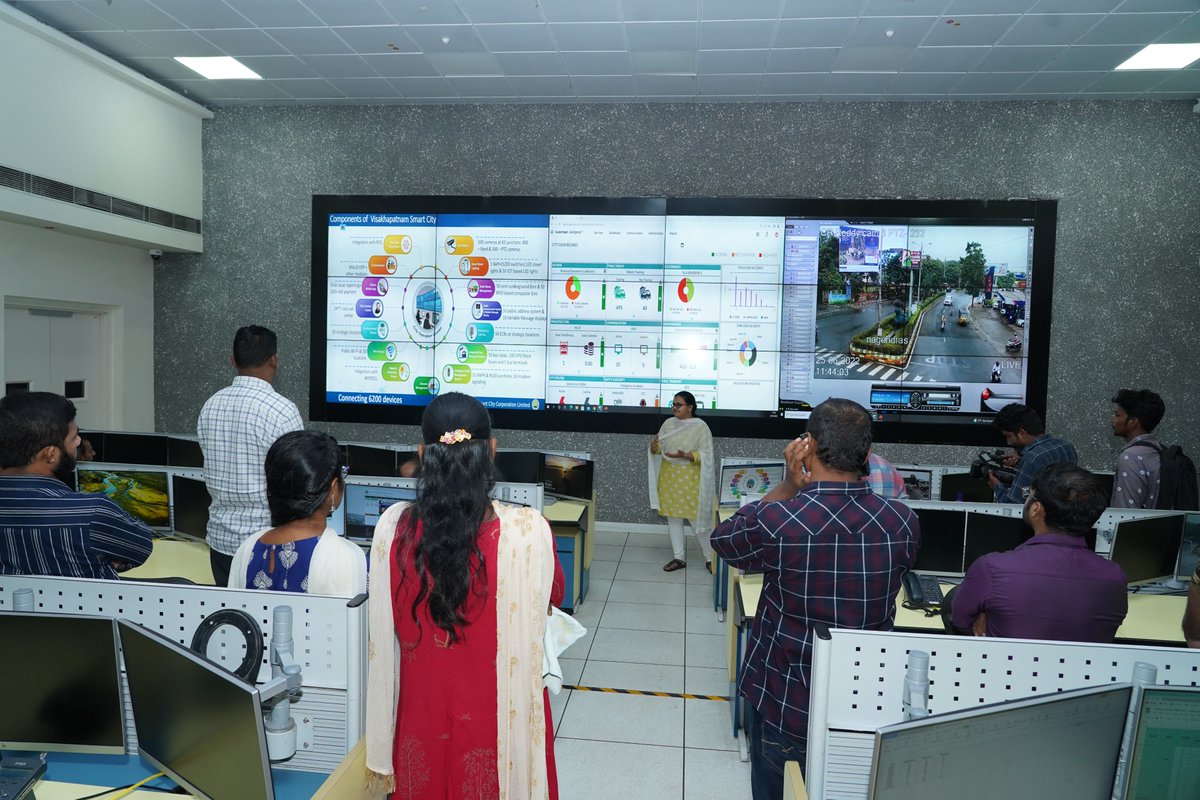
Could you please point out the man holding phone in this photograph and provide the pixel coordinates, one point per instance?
(831, 551)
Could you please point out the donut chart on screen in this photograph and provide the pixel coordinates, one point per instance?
(748, 353)
(686, 290)
(573, 288)
(749, 482)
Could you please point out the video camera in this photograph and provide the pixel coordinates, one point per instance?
(989, 461)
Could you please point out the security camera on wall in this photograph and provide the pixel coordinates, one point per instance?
(156, 254)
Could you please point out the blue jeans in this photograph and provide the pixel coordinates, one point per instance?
(770, 748)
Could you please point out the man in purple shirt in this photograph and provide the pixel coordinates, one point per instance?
(1052, 586)
(831, 551)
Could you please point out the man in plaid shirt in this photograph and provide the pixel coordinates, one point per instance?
(831, 551)
(236, 428)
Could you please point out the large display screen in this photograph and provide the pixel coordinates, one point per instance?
(591, 314)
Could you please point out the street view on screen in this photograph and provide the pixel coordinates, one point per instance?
(755, 315)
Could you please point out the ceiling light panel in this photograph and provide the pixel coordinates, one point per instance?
(1163, 56)
(219, 68)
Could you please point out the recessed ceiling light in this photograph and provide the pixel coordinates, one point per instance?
(1163, 56)
(219, 68)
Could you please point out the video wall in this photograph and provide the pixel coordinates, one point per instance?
(591, 314)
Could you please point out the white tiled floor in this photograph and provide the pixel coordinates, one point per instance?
(655, 631)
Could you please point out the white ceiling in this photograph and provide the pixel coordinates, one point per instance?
(455, 51)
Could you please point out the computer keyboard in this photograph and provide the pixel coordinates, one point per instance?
(18, 779)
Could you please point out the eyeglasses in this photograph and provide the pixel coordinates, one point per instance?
(345, 472)
(1027, 494)
(678, 405)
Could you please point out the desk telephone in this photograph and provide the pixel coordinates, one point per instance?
(922, 591)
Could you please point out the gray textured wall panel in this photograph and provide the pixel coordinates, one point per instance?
(1125, 174)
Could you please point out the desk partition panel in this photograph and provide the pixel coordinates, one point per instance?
(857, 684)
(330, 646)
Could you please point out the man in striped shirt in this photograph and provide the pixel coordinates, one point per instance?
(45, 527)
(236, 428)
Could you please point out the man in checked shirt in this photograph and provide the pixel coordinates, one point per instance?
(237, 427)
(831, 551)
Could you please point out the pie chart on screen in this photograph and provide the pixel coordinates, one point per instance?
(748, 353)
(573, 290)
(687, 290)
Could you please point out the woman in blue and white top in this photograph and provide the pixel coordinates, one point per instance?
(305, 483)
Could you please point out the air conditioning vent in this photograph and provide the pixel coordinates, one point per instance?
(55, 190)
(13, 179)
(77, 195)
(101, 202)
(160, 217)
(125, 208)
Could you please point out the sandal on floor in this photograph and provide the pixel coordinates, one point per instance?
(674, 564)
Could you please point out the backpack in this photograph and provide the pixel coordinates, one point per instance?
(1177, 478)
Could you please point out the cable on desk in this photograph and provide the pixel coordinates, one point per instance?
(123, 790)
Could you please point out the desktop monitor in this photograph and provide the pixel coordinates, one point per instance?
(942, 534)
(183, 451)
(144, 494)
(519, 466)
(1164, 755)
(189, 503)
(1106, 482)
(567, 476)
(918, 483)
(136, 448)
(962, 487)
(1063, 746)
(378, 462)
(197, 722)
(60, 684)
(365, 503)
(1148, 548)
(992, 533)
(745, 482)
(1189, 554)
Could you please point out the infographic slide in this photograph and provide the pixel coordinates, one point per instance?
(418, 303)
(496, 268)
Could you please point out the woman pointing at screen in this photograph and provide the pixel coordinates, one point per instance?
(682, 478)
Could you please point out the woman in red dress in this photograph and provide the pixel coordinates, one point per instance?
(460, 591)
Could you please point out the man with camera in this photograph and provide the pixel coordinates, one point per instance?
(1025, 432)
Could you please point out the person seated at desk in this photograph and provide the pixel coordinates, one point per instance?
(831, 551)
(1052, 586)
(305, 483)
(46, 528)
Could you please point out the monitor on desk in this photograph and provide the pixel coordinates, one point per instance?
(992, 533)
(143, 493)
(963, 488)
(1189, 553)
(151, 449)
(366, 501)
(567, 476)
(918, 483)
(363, 459)
(942, 533)
(519, 466)
(1164, 756)
(1063, 746)
(1148, 548)
(184, 451)
(60, 684)
(189, 506)
(197, 722)
(743, 483)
